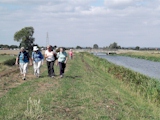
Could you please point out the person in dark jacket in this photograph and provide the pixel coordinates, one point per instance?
(23, 60)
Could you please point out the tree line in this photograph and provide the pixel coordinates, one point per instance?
(8, 46)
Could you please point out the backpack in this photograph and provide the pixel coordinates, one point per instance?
(25, 54)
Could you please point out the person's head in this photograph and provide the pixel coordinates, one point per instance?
(49, 47)
(61, 49)
(22, 49)
(35, 48)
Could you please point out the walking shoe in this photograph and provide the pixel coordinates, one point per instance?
(61, 76)
(52, 76)
(23, 78)
(37, 75)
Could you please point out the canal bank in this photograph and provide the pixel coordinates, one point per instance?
(146, 67)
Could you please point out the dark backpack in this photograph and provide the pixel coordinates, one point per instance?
(26, 54)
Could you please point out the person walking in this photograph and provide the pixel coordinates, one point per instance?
(37, 59)
(49, 55)
(23, 60)
(70, 54)
(62, 60)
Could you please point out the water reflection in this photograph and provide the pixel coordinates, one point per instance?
(146, 67)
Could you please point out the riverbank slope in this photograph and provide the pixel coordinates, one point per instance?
(91, 89)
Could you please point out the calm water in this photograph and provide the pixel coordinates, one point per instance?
(146, 67)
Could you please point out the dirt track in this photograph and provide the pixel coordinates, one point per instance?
(11, 79)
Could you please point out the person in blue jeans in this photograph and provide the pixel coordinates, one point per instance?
(23, 59)
(37, 59)
(62, 60)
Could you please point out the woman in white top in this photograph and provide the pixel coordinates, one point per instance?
(49, 55)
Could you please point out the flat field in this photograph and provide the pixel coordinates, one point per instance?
(148, 55)
(10, 52)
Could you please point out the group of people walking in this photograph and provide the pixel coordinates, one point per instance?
(37, 59)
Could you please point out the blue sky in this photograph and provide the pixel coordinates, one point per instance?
(98, 3)
(83, 22)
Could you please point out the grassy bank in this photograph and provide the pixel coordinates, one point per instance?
(6, 61)
(90, 90)
(153, 56)
(4, 57)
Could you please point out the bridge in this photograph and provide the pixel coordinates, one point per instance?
(106, 51)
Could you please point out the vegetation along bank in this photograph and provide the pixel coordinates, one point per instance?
(92, 88)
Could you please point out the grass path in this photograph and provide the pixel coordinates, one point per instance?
(85, 93)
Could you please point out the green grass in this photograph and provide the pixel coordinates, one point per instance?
(6, 61)
(3, 58)
(87, 92)
(143, 55)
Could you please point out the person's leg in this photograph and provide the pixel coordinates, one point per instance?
(60, 69)
(52, 68)
(63, 67)
(48, 66)
(21, 68)
(35, 68)
(38, 68)
(25, 70)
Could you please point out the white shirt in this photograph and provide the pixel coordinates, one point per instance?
(50, 55)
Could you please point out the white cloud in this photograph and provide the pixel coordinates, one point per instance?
(78, 22)
(117, 2)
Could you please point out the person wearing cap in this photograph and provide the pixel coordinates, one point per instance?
(62, 60)
(49, 55)
(23, 59)
(37, 59)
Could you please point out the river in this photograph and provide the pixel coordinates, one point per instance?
(146, 67)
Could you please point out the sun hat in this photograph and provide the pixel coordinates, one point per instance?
(35, 48)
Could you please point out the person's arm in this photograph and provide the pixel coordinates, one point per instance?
(66, 58)
(16, 63)
(30, 60)
(45, 55)
(32, 57)
(57, 58)
(41, 58)
(17, 59)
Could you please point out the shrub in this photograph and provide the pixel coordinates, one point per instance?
(34, 110)
(10, 62)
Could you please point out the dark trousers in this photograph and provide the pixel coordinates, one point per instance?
(50, 65)
(62, 67)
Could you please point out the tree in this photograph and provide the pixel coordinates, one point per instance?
(5, 46)
(95, 46)
(114, 46)
(78, 47)
(25, 37)
(137, 48)
(13, 46)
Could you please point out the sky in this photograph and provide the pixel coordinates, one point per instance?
(72, 23)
